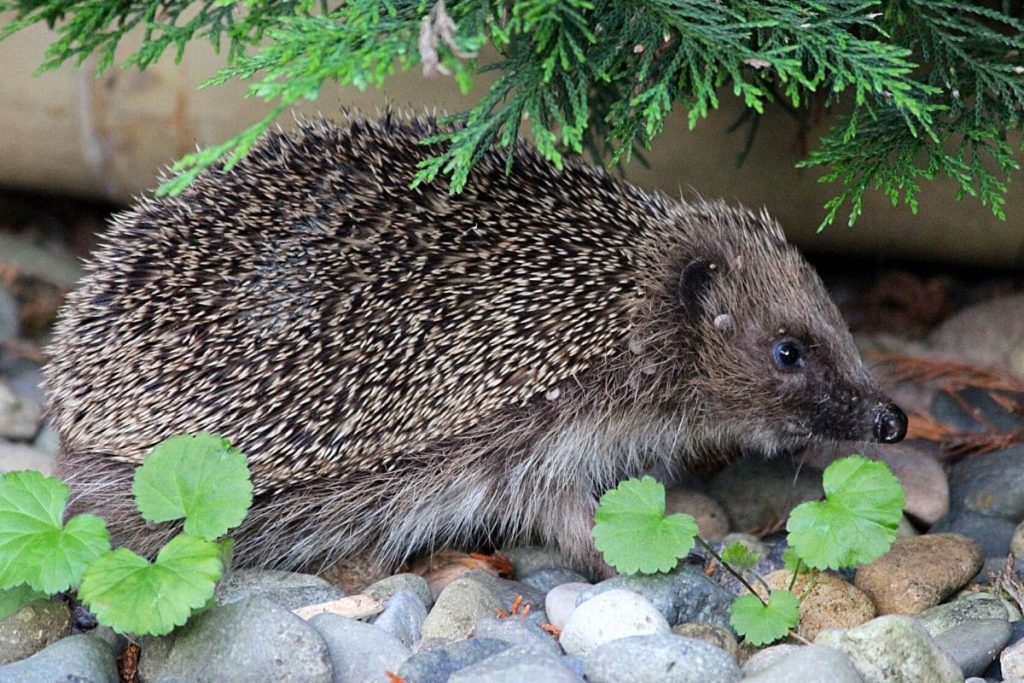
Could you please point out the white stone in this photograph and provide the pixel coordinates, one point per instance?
(608, 616)
(560, 602)
(1011, 661)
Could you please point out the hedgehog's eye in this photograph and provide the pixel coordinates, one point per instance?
(788, 355)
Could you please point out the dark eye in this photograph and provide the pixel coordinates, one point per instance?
(788, 355)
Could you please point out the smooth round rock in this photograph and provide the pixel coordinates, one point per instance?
(664, 658)
(967, 607)
(72, 659)
(993, 534)
(530, 558)
(460, 605)
(561, 601)
(509, 593)
(990, 484)
(403, 617)
(919, 572)
(518, 632)
(756, 493)
(20, 416)
(32, 628)
(10, 324)
(975, 644)
(359, 652)
(18, 456)
(712, 519)
(682, 596)
(47, 440)
(800, 664)
(893, 649)
(974, 410)
(1011, 661)
(831, 603)
(437, 665)
(721, 638)
(385, 588)
(249, 641)
(758, 660)
(611, 615)
(516, 665)
(290, 590)
(985, 333)
(544, 580)
(1017, 541)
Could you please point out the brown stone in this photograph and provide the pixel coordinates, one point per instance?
(712, 521)
(920, 572)
(831, 602)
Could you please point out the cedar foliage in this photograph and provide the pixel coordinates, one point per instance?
(932, 87)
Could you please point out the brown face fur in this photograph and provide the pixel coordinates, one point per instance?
(764, 361)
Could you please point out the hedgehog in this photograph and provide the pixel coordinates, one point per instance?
(408, 369)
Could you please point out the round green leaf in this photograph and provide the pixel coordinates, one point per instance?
(198, 477)
(856, 523)
(761, 624)
(35, 548)
(631, 530)
(132, 595)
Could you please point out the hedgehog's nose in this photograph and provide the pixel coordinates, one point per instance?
(890, 423)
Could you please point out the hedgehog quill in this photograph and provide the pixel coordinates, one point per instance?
(409, 370)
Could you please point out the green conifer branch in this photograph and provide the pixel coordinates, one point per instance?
(933, 87)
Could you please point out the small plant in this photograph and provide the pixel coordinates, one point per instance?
(854, 524)
(199, 478)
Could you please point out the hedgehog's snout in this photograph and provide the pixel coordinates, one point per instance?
(889, 423)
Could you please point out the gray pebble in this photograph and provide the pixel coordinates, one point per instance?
(459, 607)
(20, 416)
(510, 592)
(519, 632)
(249, 641)
(72, 659)
(983, 414)
(17, 456)
(528, 559)
(403, 617)
(661, 658)
(391, 585)
(894, 649)
(560, 601)
(613, 614)
(437, 665)
(970, 606)
(47, 441)
(544, 580)
(806, 664)
(681, 596)
(290, 590)
(990, 484)
(975, 644)
(993, 534)
(32, 628)
(359, 652)
(27, 381)
(516, 665)
(10, 325)
(756, 492)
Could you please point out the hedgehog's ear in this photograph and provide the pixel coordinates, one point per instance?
(694, 281)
